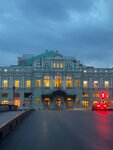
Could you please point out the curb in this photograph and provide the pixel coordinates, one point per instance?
(7, 127)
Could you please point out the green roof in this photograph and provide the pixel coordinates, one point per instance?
(46, 54)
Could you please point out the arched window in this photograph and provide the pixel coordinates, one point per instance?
(68, 81)
(47, 81)
(57, 81)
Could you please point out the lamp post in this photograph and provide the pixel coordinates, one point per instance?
(30, 100)
(13, 93)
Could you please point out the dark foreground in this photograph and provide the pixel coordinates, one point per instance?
(62, 130)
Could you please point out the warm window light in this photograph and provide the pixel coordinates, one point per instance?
(85, 84)
(47, 81)
(68, 81)
(28, 83)
(5, 102)
(77, 83)
(5, 83)
(95, 84)
(58, 81)
(38, 83)
(106, 84)
(17, 82)
(68, 99)
(16, 102)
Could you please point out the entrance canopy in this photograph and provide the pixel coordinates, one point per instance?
(58, 93)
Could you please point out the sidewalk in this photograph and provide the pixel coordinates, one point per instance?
(7, 116)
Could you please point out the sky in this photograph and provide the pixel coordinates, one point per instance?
(79, 28)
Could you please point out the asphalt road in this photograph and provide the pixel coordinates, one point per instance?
(62, 130)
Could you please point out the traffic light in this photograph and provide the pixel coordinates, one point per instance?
(103, 95)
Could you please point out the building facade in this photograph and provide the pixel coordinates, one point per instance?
(51, 80)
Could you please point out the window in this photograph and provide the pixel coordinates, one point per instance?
(17, 82)
(60, 65)
(77, 82)
(38, 101)
(96, 95)
(106, 84)
(28, 84)
(68, 64)
(4, 94)
(85, 103)
(5, 102)
(47, 81)
(85, 95)
(38, 83)
(54, 65)
(5, 83)
(85, 84)
(95, 84)
(57, 81)
(57, 65)
(17, 95)
(68, 81)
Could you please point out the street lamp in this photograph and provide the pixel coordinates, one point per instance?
(30, 100)
(13, 93)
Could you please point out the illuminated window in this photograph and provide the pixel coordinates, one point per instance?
(47, 81)
(60, 65)
(85, 71)
(106, 84)
(95, 84)
(38, 101)
(17, 83)
(69, 102)
(85, 84)
(77, 82)
(54, 65)
(85, 103)
(46, 101)
(16, 102)
(5, 83)
(57, 81)
(5, 102)
(85, 95)
(38, 83)
(28, 84)
(96, 95)
(57, 65)
(95, 101)
(68, 81)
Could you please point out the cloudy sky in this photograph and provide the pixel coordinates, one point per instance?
(80, 28)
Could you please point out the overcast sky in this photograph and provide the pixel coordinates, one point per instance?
(80, 28)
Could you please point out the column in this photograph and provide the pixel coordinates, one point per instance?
(51, 81)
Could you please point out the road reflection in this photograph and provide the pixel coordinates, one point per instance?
(103, 130)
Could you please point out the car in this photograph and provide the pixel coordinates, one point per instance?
(99, 106)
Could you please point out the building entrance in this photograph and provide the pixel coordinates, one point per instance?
(58, 99)
(68, 102)
(58, 102)
(46, 102)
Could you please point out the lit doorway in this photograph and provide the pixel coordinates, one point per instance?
(46, 102)
(58, 102)
(68, 102)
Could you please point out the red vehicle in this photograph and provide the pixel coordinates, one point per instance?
(99, 106)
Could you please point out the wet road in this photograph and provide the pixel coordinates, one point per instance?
(62, 130)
